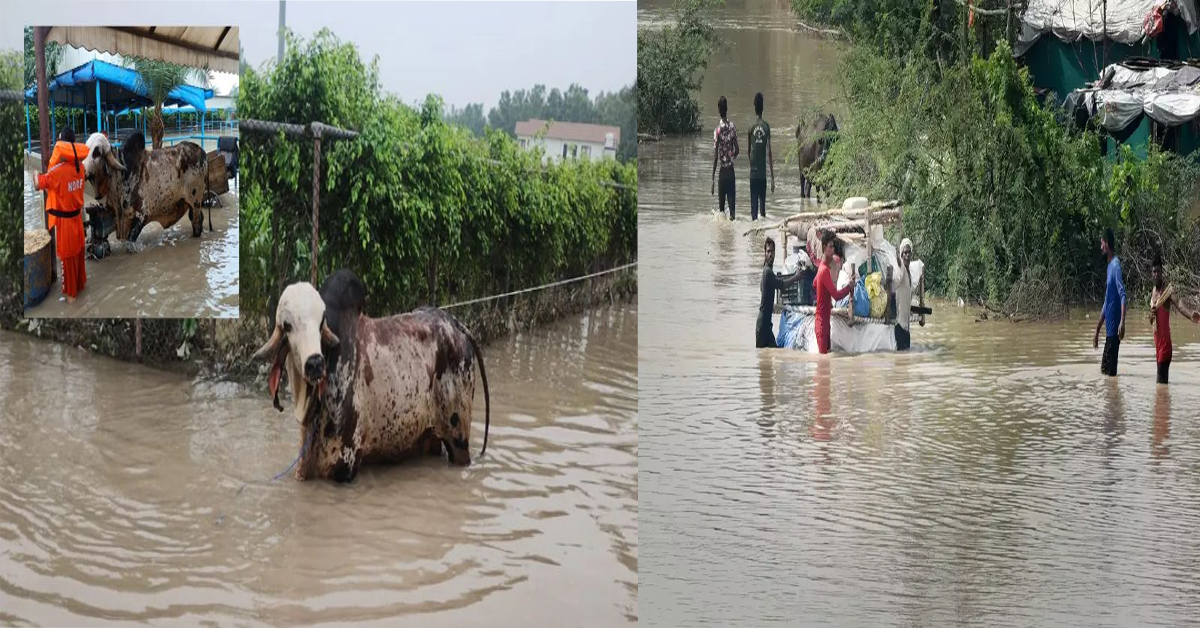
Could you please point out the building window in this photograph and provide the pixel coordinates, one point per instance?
(524, 143)
(564, 150)
(585, 151)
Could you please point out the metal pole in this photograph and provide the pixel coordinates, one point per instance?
(202, 131)
(282, 13)
(53, 122)
(316, 201)
(28, 132)
(99, 120)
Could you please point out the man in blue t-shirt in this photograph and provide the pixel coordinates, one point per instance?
(1114, 309)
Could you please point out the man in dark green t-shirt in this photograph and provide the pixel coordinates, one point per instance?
(760, 156)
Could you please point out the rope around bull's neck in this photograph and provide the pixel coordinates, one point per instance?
(303, 448)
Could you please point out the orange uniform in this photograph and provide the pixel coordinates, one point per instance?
(63, 184)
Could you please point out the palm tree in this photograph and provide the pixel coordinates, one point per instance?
(159, 78)
(54, 54)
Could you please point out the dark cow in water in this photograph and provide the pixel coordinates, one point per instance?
(143, 187)
(814, 142)
(372, 389)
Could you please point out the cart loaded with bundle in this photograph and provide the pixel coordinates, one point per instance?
(865, 320)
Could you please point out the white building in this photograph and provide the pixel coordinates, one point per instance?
(567, 140)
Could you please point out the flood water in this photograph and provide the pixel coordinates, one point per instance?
(991, 476)
(172, 275)
(137, 495)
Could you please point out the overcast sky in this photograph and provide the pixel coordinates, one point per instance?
(465, 51)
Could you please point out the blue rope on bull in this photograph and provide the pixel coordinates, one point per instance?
(303, 448)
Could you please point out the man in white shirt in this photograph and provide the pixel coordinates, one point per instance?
(903, 288)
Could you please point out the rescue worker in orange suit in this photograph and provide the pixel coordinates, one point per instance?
(63, 184)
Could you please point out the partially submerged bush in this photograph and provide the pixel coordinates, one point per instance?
(671, 62)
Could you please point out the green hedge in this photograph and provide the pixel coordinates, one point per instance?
(415, 206)
(12, 132)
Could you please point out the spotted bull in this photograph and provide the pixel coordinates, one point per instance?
(143, 187)
(372, 389)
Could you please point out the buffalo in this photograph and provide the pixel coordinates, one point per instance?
(814, 142)
(372, 389)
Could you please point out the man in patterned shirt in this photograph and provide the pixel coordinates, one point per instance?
(725, 150)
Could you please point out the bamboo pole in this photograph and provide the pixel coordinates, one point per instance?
(867, 231)
(846, 313)
(883, 213)
(921, 292)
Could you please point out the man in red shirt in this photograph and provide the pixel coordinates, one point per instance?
(827, 291)
(1161, 302)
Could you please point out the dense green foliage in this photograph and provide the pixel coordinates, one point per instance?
(1005, 202)
(158, 78)
(897, 27)
(617, 109)
(11, 181)
(671, 62)
(54, 52)
(422, 210)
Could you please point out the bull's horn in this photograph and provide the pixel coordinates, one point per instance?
(272, 346)
(327, 335)
(112, 161)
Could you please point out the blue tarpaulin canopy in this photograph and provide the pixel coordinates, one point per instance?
(112, 88)
(178, 110)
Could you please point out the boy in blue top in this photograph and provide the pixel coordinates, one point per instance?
(1114, 309)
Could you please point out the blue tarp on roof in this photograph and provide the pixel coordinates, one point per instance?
(178, 110)
(120, 88)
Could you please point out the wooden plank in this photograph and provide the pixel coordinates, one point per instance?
(881, 216)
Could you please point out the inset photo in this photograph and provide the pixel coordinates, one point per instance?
(130, 172)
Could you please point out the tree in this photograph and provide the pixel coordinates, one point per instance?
(54, 53)
(671, 62)
(614, 109)
(470, 116)
(159, 78)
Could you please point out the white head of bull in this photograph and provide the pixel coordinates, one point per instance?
(297, 344)
(103, 168)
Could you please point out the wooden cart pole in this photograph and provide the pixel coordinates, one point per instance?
(867, 231)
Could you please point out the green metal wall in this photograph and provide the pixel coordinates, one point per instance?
(1062, 67)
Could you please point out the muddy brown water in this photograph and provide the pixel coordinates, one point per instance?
(171, 275)
(130, 494)
(991, 476)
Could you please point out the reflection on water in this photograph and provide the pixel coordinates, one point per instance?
(127, 494)
(175, 275)
(991, 476)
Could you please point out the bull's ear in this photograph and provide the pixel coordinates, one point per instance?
(328, 338)
(112, 161)
(268, 350)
